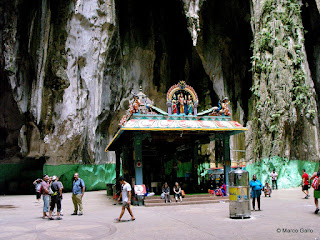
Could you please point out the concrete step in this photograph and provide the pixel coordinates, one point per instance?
(207, 198)
(187, 196)
(188, 199)
(174, 203)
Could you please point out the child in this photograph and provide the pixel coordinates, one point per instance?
(267, 190)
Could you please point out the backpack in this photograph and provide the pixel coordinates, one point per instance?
(50, 190)
(314, 182)
(80, 183)
(81, 186)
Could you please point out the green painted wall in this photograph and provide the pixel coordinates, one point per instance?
(18, 178)
(95, 176)
(289, 171)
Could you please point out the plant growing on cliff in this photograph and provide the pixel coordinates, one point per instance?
(289, 16)
(277, 63)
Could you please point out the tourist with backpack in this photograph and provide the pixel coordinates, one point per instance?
(315, 185)
(55, 198)
(78, 190)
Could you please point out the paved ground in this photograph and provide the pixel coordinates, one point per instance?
(284, 216)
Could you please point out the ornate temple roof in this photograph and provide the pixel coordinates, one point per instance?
(143, 116)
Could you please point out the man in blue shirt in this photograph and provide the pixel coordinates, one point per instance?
(77, 194)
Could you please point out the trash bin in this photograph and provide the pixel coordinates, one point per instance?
(239, 197)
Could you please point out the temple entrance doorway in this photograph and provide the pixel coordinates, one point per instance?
(169, 160)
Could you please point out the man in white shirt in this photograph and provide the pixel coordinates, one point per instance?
(274, 177)
(126, 198)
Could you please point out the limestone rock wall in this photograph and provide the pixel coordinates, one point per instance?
(284, 116)
(68, 69)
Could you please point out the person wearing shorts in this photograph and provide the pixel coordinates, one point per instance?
(55, 198)
(316, 192)
(305, 183)
(126, 199)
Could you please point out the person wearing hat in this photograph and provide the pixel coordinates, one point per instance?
(126, 198)
(55, 198)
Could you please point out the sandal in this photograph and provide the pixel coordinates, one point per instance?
(132, 219)
(117, 220)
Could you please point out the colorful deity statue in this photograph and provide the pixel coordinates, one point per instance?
(224, 107)
(190, 105)
(135, 105)
(181, 103)
(174, 105)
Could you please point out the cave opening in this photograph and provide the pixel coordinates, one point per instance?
(226, 27)
(161, 27)
(311, 23)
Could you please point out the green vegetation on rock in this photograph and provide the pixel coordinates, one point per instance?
(282, 93)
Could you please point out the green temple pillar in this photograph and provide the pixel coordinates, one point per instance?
(195, 162)
(118, 163)
(137, 157)
(126, 160)
(227, 159)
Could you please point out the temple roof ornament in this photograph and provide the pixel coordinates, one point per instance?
(182, 100)
(182, 115)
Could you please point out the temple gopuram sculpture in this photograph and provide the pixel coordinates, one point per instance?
(140, 104)
(187, 101)
(222, 109)
(182, 100)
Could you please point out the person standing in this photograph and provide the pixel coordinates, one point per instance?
(61, 186)
(256, 187)
(305, 183)
(316, 192)
(126, 198)
(274, 177)
(78, 189)
(37, 186)
(45, 195)
(55, 198)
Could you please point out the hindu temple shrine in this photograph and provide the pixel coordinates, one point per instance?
(152, 144)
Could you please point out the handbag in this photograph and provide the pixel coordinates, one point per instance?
(50, 190)
(162, 195)
(183, 193)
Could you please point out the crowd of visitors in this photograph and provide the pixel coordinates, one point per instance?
(256, 187)
(51, 190)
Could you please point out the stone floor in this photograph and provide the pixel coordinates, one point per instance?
(286, 215)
